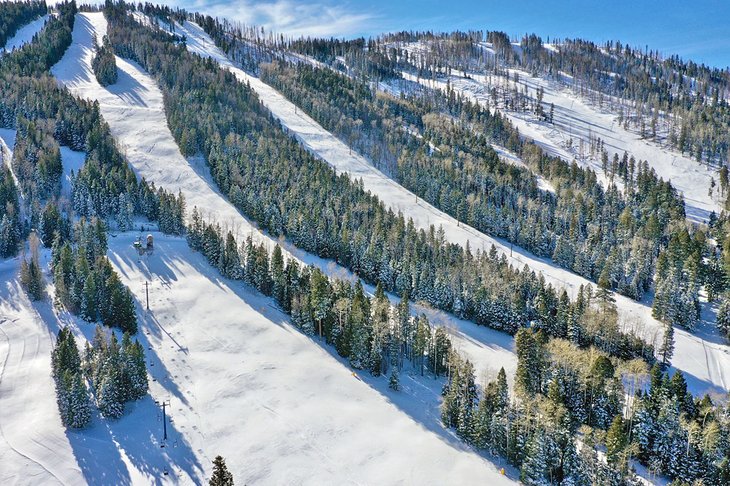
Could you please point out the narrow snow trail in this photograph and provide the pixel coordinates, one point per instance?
(7, 145)
(690, 350)
(33, 443)
(242, 379)
(25, 34)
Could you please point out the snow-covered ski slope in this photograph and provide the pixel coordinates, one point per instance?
(244, 383)
(705, 359)
(241, 381)
(25, 34)
(34, 448)
(133, 107)
(575, 119)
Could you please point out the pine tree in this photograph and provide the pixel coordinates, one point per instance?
(79, 405)
(278, 277)
(666, 350)
(528, 365)
(135, 368)
(616, 442)
(31, 276)
(393, 381)
(723, 317)
(110, 400)
(89, 304)
(221, 476)
(232, 267)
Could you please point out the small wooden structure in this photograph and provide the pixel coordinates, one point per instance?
(146, 249)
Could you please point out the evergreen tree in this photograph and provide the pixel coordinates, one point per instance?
(221, 476)
(666, 350)
(110, 398)
(31, 276)
(394, 381)
(723, 317)
(616, 442)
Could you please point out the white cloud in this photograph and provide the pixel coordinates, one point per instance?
(317, 19)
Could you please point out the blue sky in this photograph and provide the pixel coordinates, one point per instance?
(694, 29)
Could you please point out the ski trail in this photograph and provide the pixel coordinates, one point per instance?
(24, 35)
(32, 439)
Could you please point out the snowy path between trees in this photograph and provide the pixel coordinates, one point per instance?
(134, 109)
(703, 356)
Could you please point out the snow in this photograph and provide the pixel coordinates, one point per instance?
(25, 34)
(33, 443)
(704, 359)
(7, 144)
(302, 406)
(134, 110)
(72, 161)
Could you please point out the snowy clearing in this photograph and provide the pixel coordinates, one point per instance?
(704, 359)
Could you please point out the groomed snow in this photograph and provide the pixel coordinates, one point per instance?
(704, 359)
(34, 447)
(243, 382)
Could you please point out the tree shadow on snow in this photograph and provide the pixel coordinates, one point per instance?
(138, 433)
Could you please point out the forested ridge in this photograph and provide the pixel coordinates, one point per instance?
(438, 145)
(607, 236)
(558, 376)
(664, 98)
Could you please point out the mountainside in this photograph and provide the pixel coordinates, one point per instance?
(418, 258)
